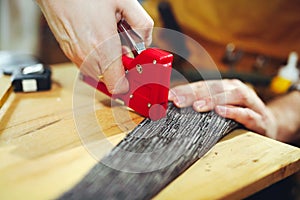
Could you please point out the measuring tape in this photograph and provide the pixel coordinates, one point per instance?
(31, 78)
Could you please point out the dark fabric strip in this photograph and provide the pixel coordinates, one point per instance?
(152, 155)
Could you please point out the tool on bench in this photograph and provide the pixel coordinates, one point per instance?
(27, 74)
(32, 78)
(148, 74)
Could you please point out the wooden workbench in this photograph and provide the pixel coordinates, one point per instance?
(42, 154)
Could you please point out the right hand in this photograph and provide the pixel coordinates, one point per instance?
(87, 33)
(231, 99)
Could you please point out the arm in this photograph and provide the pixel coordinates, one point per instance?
(87, 33)
(234, 100)
(286, 110)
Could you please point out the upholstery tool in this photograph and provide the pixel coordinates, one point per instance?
(148, 74)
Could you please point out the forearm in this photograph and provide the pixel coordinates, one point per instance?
(286, 110)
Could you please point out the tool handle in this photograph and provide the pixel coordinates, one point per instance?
(131, 38)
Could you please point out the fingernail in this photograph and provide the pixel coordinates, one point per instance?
(180, 100)
(199, 104)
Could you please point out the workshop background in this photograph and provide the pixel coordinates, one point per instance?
(264, 31)
(270, 27)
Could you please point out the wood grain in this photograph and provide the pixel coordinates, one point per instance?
(5, 89)
(231, 171)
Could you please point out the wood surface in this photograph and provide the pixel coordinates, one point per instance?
(5, 88)
(42, 155)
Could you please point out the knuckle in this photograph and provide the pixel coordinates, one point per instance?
(236, 82)
(149, 23)
(210, 102)
(111, 88)
(248, 117)
(242, 94)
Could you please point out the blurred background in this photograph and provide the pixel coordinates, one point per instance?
(270, 28)
(24, 29)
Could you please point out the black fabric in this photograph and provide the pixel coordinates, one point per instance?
(152, 155)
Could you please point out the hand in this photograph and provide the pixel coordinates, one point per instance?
(230, 99)
(87, 33)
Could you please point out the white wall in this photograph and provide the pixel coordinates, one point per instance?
(19, 25)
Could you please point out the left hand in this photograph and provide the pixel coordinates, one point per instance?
(230, 99)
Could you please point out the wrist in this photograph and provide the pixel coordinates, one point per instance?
(272, 125)
(286, 111)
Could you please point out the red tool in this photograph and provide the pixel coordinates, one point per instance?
(148, 74)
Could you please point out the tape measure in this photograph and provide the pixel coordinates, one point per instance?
(32, 78)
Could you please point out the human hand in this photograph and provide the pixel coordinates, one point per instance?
(87, 33)
(231, 99)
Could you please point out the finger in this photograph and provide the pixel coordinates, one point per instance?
(182, 96)
(138, 19)
(127, 51)
(224, 98)
(109, 59)
(198, 94)
(189, 93)
(105, 60)
(239, 96)
(114, 78)
(90, 70)
(249, 118)
(113, 69)
(242, 94)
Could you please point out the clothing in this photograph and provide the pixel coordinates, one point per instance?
(271, 27)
